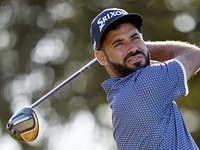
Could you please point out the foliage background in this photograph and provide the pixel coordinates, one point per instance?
(42, 42)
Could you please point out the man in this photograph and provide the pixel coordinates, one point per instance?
(141, 95)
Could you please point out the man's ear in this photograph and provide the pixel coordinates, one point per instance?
(101, 57)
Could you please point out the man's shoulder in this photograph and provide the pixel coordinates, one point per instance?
(143, 75)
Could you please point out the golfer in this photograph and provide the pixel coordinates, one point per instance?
(142, 96)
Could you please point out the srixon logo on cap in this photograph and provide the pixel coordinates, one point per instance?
(102, 21)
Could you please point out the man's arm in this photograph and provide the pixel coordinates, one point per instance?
(187, 54)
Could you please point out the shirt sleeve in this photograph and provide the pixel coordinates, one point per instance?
(185, 77)
(159, 85)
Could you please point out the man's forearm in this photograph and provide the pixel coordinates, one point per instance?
(187, 54)
(163, 50)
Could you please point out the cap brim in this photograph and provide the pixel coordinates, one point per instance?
(135, 19)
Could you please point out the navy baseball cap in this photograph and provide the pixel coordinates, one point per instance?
(108, 19)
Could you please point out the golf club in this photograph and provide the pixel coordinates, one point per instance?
(23, 126)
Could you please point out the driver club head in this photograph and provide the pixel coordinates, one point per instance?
(23, 126)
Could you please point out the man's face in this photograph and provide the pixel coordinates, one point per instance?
(125, 50)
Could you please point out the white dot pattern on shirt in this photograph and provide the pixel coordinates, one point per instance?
(145, 115)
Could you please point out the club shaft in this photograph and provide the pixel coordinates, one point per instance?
(87, 66)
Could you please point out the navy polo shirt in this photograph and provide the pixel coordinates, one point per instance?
(144, 112)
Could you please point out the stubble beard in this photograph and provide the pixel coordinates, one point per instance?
(123, 70)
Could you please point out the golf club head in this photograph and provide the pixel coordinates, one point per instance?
(23, 126)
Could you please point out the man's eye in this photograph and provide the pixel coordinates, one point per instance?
(118, 44)
(136, 37)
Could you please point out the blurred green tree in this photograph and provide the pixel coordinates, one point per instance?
(45, 41)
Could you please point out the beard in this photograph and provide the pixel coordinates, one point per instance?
(123, 70)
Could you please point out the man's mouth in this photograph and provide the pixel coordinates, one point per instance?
(134, 59)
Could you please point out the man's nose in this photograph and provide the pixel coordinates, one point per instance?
(130, 46)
